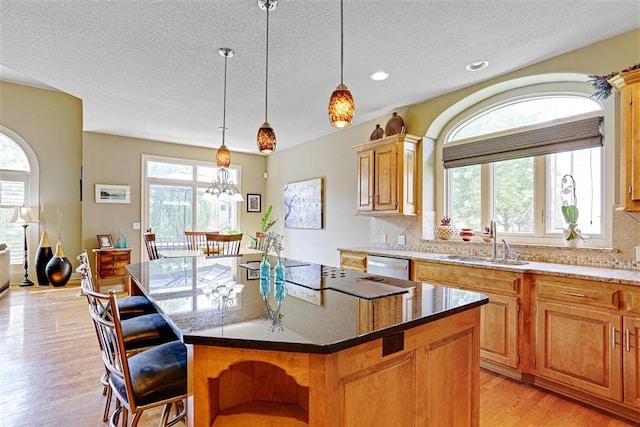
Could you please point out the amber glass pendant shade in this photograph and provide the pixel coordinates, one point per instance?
(341, 107)
(223, 157)
(266, 138)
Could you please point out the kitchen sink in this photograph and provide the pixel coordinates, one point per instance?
(508, 262)
(479, 259)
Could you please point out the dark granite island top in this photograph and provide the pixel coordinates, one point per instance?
(344, 349)
(320, 313)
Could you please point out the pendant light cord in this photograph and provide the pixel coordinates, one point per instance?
(224, 99)
(341, 43)
(266, 80)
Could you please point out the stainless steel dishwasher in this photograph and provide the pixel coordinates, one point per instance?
(396, 268)
(391, 267)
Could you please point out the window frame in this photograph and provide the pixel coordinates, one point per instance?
(493, 99)
(31, 178)
(193, 183)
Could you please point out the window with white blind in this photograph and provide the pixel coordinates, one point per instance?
(506, 162)
(14, 188)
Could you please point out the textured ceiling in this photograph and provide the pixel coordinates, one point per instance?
(151, 69)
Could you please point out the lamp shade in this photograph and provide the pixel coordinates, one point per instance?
(223, 157)
(266, 138)
(23, 215)
(341, 107)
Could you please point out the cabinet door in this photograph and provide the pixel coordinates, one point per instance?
(577, 347)
(386, 178)
(631, 360)
(499, 330)
(365, 180)
(631, 128)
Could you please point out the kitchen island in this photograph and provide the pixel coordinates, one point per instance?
(342, 348)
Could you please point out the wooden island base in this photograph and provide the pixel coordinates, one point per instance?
(429, 378)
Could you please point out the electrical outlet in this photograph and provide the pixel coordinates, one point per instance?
(135, 226)
(384, 238)
(402, 239)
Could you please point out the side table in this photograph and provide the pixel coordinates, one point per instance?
(110, 265)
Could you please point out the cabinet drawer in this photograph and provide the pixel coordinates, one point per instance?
(470, 278)
(117, 257)
(112, 272)
(353, 261)
(632, 302)
(568, 292)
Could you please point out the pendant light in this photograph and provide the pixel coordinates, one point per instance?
(222, 187)
(223, 156)
(266, 136)
(341, 105)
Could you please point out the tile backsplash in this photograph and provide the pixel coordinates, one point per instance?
(386, 232)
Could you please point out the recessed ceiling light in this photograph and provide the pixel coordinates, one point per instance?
(477, 65)
(379, 75)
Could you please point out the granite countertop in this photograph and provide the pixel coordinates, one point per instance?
(321, 312)
(609, 275)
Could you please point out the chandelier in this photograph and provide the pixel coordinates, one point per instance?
(223, 188)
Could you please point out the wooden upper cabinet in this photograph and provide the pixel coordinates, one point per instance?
(629, 86)
(388, 178)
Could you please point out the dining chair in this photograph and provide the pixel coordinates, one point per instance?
(196, 239)
(154, 377)
(223, 244)
(150, 243)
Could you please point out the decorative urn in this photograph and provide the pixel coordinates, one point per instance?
(445, 230)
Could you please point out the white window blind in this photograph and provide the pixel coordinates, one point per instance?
(567, 134)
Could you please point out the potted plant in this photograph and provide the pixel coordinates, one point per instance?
(570, 211)
(265, 225)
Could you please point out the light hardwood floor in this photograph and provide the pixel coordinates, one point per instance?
(50, 368)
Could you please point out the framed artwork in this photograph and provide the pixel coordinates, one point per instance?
(303, 204)
(107, 193)
(104, 241)
(254, 202)
(253, 274)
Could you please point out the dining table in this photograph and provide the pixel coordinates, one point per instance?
(321, 348)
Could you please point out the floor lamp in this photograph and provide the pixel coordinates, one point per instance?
(24, 216)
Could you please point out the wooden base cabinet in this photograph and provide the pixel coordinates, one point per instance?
(577, 347)
(587, 342)
(353, 261)
(431, 380)
(501, 319)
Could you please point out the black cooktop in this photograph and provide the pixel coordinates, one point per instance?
(320, 277)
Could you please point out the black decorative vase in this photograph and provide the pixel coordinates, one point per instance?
(58, 268)
(43, 254)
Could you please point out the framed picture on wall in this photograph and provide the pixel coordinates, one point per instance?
(254, 203)
(108, 193)
(303, 204)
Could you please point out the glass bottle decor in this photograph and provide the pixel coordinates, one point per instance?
(278, 273)
(122, 239)
(265, 277)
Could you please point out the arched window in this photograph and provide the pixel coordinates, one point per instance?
(506, 161)
(14, 192)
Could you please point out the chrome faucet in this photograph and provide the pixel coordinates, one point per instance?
(505, 250)
(493, 234)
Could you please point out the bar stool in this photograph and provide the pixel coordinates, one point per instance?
(151, 378)
(142, 328)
